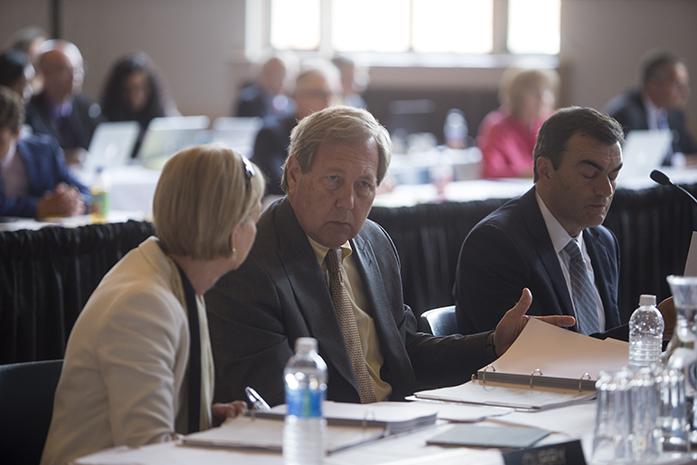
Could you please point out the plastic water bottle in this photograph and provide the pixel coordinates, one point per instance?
(306, 383)
(100, 196)
(455, 129)
(645, 334)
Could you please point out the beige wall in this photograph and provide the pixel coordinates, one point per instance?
(198, 45)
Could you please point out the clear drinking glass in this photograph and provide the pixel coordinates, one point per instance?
(681, 353)
(612, 439)
(672, 416)
(645, 406)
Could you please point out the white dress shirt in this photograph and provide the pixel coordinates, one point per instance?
(560, 238)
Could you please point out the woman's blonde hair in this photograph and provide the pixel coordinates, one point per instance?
(203, 193)
(515, 83)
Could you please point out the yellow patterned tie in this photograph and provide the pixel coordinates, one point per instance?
(348, 326)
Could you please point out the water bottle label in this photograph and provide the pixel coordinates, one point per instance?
(305, 403)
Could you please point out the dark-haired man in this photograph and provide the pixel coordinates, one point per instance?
(659, 103)
(550, 240)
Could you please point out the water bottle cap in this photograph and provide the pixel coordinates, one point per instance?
(306, 344)
(646, 300)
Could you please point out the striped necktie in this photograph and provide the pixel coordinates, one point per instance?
(582, 291)
(348, 326)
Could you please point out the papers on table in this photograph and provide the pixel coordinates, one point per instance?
(267, 434)
(545, 367)
(395, 417)
(506, 395)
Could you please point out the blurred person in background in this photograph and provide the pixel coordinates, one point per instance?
(34, 180)
(354, 80)
(16, 73)
(507, 136)
(138, 367)
(316, 88)
(266, 96)
(60, 110)
(659, 103)
(29, 40)
(134, 92)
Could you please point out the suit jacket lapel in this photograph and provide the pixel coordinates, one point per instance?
(545, 251)
(601, 262)
(311, 290)
(379, 305)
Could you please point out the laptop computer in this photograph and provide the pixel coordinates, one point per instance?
(111, 145)
(644, 151)
(167, 135)
(237, 133)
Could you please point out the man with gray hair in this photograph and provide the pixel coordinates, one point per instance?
(320, 269)
(60, 110)
(316, 87)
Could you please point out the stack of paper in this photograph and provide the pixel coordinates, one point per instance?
(267, 434)
(395, 417)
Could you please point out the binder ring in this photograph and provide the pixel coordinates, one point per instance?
(536, 372)
(585, 377)
(493, 370)
(483, 375)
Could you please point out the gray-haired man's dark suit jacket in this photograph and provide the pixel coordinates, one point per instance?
(279, 294)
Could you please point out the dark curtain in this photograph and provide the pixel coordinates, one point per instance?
(46, 277)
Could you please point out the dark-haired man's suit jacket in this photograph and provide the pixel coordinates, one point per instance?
(511, 249)
(629, 110)
(279, 294)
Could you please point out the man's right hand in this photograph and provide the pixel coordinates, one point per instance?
(64, 200)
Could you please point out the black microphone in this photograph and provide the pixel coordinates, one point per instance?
(661, 178)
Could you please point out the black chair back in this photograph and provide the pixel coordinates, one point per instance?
(439, 321)
(26, 405)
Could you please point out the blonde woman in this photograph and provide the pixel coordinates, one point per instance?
(507, 136)
(138, 367)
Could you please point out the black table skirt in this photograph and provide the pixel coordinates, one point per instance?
(46, 276)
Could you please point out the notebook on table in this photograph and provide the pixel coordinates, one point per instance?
(395, 417)
(489, 436)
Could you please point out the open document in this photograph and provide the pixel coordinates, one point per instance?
(395, 417)
(545, 367)
(267, 434)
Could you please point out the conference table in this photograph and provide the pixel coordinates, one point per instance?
(575, 422)
(566, 423)
(47, 274)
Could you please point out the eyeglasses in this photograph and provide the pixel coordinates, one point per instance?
(248, 170)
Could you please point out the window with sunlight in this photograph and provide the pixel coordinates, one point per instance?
(414, 26)
(444, 26)
(384, 29)
(533, 27)
(295, 24)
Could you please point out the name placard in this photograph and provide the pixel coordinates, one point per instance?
(563, 453)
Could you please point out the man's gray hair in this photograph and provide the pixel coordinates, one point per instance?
(336, 124)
